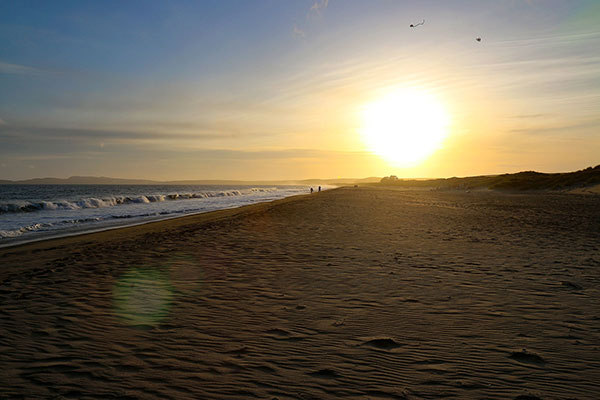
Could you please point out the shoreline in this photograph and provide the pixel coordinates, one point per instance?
(26, 242)
(166, 223)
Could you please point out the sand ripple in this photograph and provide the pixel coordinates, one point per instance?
(353, 293)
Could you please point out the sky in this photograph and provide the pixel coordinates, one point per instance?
(276, 89)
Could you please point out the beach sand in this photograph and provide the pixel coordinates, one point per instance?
(355, 293)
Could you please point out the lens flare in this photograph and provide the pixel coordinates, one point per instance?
(143, 297)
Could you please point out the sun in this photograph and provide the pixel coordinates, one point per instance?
(405, 126)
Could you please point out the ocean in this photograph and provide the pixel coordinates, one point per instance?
(36, 212)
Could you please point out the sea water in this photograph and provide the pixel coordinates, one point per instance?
(36, 212)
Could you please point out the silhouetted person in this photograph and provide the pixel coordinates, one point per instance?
(319, 188)
(311, 190)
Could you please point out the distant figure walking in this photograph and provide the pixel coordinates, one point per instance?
(319, 188)
(311, 190)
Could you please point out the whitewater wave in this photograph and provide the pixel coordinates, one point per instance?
(43, 226)
(92, 202)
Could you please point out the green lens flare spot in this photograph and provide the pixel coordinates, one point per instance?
(143, 297)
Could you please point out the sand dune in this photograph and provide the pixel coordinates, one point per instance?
(358, 293)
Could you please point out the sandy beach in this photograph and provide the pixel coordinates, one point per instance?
(355, 293)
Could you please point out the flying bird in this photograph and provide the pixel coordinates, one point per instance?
(415, 25)
(478, 39)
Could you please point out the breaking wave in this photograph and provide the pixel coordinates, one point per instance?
(42, 226)
(92, 202)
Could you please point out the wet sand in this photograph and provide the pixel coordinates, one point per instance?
(355, 293)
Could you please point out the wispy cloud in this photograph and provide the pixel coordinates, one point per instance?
(43, 157)
(7, 68)
(564, 129)
(267, 154)
(550, 40)
(123, 135)
(529, 116)
(317, 9)
(298, 33)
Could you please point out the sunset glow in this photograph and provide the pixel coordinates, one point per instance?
(274, 90)
(324, 199)
(405, 126)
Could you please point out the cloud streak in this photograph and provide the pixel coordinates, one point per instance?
(317, 9)
(16, 69)
(298, 33)
(563, 129)
(90, 134)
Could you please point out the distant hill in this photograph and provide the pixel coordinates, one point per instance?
(526, 180)
(95, 180)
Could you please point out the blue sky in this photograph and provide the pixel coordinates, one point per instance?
(272, 89)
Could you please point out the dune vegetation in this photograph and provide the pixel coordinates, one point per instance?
(526, 180)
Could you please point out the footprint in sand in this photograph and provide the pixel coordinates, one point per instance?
(527, 357)
(571, 285)
(282, 334)
(384, 343)
(278, 332)
(324, 373)
(238, 350)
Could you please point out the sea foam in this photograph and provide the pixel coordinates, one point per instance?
(92, 202)
(33, 212)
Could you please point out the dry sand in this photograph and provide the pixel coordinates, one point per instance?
(595, 189)
(350, 293)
